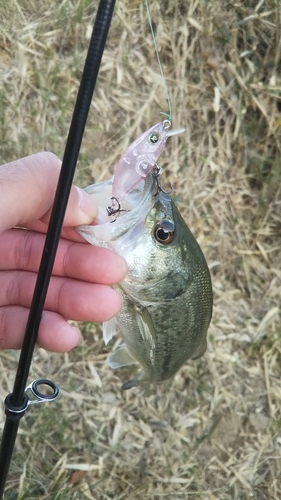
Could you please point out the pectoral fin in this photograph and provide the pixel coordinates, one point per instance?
(147, 330)
(121, 357)
(109, 329)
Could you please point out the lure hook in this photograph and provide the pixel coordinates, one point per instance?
(113, 211)
(156, 172)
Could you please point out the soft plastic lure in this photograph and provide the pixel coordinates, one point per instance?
(140, 158)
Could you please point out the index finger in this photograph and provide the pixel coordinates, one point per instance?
(27, 188)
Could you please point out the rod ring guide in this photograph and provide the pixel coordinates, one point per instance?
(39, 396)
(32, 395)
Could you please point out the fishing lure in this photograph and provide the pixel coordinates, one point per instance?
(142, 155)
(139, 160)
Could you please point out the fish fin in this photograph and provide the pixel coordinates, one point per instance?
(121, 357)
(147, 330)
(109, 329)
(132, 383)
(200, 351)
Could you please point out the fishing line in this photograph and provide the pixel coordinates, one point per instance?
(168, 115)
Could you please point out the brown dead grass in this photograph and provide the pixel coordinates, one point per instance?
(215, 432)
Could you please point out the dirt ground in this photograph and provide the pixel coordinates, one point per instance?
(214, 433)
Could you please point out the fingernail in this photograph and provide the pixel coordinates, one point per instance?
(88, 208)
(77, 333)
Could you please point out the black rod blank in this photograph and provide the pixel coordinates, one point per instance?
(73, 144)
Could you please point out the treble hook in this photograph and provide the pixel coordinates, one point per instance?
(112, 211)
(156, 172)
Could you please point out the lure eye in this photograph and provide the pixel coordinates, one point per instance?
(164, 232)
(153, 138)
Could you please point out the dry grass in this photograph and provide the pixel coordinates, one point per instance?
(215, 432)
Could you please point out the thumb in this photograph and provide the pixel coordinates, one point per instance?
(27, 190)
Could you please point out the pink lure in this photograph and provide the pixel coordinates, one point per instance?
(140, 158)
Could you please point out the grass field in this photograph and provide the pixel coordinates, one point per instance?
(215, 433)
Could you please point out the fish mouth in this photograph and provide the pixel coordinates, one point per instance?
(108, 225)
(137, 198)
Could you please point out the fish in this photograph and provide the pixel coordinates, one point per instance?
(167, 293)
(139, 159)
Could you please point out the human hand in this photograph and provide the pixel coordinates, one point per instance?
(82, 274)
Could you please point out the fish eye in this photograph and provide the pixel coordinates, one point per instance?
(164, 232)
(153, 138)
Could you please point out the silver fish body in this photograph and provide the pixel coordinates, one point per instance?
(167, 293)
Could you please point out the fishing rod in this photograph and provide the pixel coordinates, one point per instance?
(38, 391)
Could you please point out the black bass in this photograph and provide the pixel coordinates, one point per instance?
(167, 293)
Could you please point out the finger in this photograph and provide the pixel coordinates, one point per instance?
(68, 233)
(28, 187)
(54, 334)
(21, 249)
(80, 208)
(73, 299)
